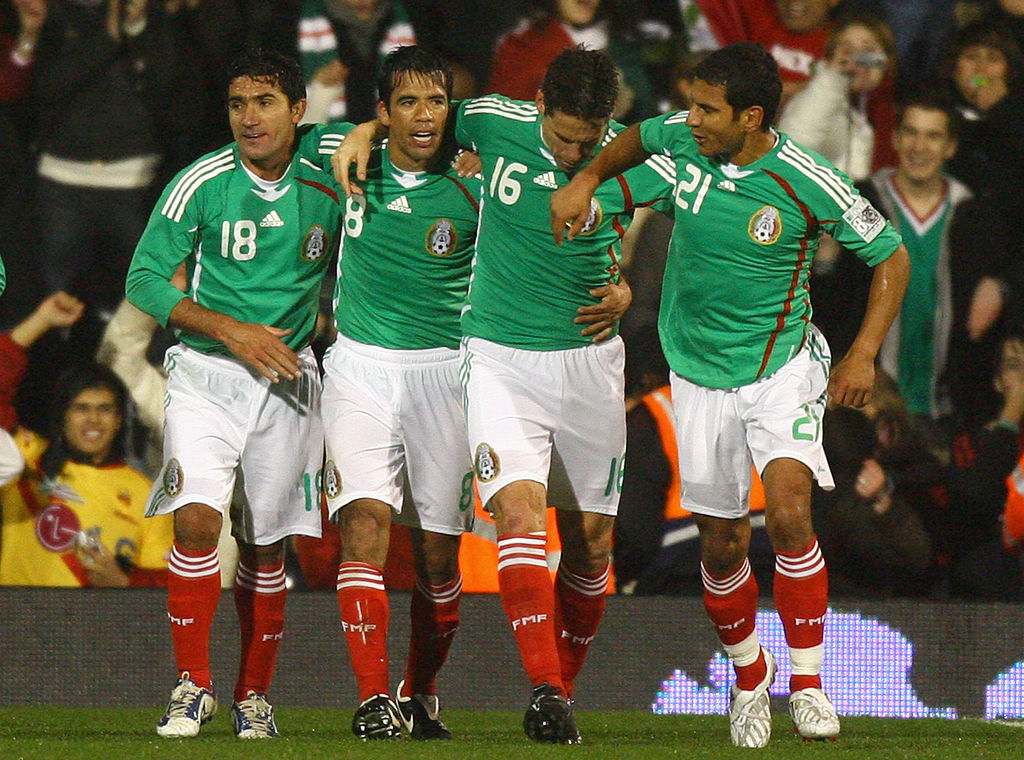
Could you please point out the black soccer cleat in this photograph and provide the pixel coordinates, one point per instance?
(419, 715)
(377, 718)
(549, 718)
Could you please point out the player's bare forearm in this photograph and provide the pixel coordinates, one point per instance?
(602, 317)
(852, 380)
(259, 346)
(570, 205)
(355, 149)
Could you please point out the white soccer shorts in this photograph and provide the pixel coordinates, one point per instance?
(394, 417)
(225, 421)
(721, 432)
(554, 417)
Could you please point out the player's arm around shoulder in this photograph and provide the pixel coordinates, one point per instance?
(570, 205)
(852, 380)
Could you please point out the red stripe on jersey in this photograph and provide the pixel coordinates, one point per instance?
(787, 307)
(318, 186)
(465, 191)
(627, 195)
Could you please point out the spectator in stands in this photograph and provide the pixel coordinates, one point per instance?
(793, 31)
(74, 516)
(875, 545)
(20, 24)
(105, 88)
(522, 56)
(957, 254)
(341, 44)
(830, 115)
(985, 482)
(985, 76)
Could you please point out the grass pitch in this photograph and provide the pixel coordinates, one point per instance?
(52, 733)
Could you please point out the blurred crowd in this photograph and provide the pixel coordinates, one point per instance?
(919, 101)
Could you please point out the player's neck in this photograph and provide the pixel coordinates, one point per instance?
(756, 145)
(271, 169)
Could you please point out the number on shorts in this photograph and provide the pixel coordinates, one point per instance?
(811, 418)
(466, 499)
(616, 471)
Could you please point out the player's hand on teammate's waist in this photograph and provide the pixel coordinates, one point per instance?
(261, 347)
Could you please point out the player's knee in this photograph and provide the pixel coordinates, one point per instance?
(197, 527)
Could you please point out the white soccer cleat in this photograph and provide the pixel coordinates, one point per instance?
(253, 717)
(813, 715)
(750, 714)
(190, 707)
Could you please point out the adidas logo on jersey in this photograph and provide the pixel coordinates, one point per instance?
(400, 204)
(727, 184)
(273, 219)
(547, 179)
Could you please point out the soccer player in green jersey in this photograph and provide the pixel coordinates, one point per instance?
(392, 403)
(750, 373)
(255, 222)
(545, 403)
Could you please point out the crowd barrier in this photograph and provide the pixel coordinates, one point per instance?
(94, 647)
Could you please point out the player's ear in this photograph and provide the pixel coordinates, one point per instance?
(539, 100)
(298, 110)
(753, 117)
(383, 115)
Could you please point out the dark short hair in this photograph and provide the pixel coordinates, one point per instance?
(71, 383)
(749, 75)
(581, 83)
(415, 61)
(990, 33)
(272, 67)
(930, 100)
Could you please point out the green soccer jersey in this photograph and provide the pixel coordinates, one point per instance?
(525, 289)
(254, 251)
(736, 298)
(405, 257)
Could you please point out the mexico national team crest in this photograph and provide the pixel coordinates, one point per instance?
(314, 245)
(442, 238)
(765, 226)
(487, 464)
(174, 478)
(332, 479)
(594, 218)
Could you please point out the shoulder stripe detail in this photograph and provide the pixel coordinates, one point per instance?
(174, 207)
(663, 166)
(511, 105)
(678, 118)
(500, 108)
(821, 175)
(329, 143)
(310, 164)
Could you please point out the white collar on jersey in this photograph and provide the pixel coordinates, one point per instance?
(269, 190)
(739, 172)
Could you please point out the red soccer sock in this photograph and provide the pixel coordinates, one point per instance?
(801, 597)
(731, 603)
(193, 590)
(363, 603)
(529, 602)
(434, 613)
(579, 607)
(259, 598)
